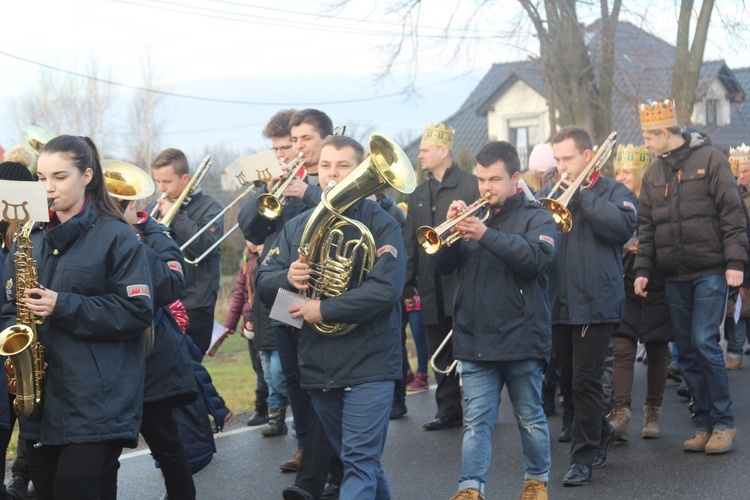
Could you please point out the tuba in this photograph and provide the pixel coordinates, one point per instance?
(330, 255)
(25, 364)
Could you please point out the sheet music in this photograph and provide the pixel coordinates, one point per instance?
(280, 310)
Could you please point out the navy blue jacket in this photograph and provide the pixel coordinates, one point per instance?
(501, 306)
(169, 375)
(260, 230)
(94, 339)
(586, 283)
(4, 404)
(372, 352)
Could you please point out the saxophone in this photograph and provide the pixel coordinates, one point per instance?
(25, 364)
(328, 252)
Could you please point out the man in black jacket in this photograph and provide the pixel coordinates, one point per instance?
(502, 329)
(587, 295)
(692, 228)
(172, 175)
(429, 203)
(350, 377)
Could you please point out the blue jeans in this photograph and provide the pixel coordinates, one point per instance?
(275, 379)
(735, 333)
(355, 420)
(420, 339)
(483, 384)
(697, 310)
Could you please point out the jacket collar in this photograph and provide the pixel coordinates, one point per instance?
(64, 235)
(450, 178)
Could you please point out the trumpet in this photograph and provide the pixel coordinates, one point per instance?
(432, 239)
(192, 185)
(558, 208)
(270, 205)
(437, 351)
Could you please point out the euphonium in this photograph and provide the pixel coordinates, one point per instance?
(329, 253)
(25, 363)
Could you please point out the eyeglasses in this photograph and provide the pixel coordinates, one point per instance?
(282, 149)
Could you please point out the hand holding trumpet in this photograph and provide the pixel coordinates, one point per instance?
(471, 227)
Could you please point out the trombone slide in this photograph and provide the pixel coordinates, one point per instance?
(437, 351)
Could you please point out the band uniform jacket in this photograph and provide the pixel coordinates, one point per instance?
(94, 339)
(260, 230)
(201, 281)
(169, 375)
(372, 352)
(5, 407)
(423, 211)
(586, 278)
(691, 219)
(501, 306)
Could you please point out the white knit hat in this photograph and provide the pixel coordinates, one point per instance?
(541, 158)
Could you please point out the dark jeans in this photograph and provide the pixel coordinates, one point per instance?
(201, 326)
(448, 393)
(261, 387)
(159, 430)
(579, 358)
(69, 471)
(286, 345)
(318, 459)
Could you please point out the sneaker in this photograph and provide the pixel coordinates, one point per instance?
(697, 442)
(720, 441)
(17, 488)
(419, 383)
(468, 494)
(533, 490)
(733, 362)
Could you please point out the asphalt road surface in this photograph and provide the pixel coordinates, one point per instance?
(423, 465)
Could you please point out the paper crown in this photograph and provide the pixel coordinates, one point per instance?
(658, 115)
(632, 157)
(438, 136)
(739, 156)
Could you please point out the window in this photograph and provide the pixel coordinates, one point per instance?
(711, 111)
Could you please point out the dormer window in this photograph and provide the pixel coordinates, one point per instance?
(712, 106)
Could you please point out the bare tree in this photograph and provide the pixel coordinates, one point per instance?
(689, 55)
(145, 119)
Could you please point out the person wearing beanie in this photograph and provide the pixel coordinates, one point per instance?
(542, 167)
(18, 159)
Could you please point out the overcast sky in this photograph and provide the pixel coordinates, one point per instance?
(285, 54)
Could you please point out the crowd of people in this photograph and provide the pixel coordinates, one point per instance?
(533, 298)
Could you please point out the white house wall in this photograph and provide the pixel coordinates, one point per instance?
(723, 111)
(520, 105)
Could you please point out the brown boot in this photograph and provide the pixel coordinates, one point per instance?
(620, 419)
(533, 490)
(697, 442)
(468, 494)
(720, 441)
(651, 422)
(292, 465)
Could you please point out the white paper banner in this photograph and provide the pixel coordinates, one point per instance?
(23, 201)
(258, 167)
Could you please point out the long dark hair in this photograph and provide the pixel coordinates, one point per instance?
(84, 154)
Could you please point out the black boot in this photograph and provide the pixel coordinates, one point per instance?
(548, 397)
(276, 423)
(566, 433)
(260, 415)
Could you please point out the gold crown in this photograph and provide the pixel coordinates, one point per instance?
(658, 115)
(632, 157)
(439, 136)
(739, 156)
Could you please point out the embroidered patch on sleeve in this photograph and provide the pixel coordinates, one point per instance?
(175, 266)
(547, 239)
(388, 248)
(629, 205)
(136, 290)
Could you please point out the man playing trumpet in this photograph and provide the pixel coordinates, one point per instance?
(501, 329)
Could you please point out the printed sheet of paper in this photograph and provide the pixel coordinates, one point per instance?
(25, 201)
(218, 335)
(258, 167)
(737, 309)
(280, 310)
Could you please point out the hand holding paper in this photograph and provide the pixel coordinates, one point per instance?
(309, 311)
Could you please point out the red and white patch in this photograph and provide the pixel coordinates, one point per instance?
(388, 248)
(175, 266)
(136, 290)
(629, 205)
(547, 239)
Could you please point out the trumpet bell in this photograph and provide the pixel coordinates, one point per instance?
(269, 206)
(560, 214)
(126, 181)
(36, 137)
(429, 240)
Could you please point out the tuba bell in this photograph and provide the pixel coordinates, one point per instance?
(330, 255)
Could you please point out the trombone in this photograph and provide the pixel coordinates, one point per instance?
(252, 187)
(437, 351)
(558, 208)
(191, 187)
(270, 205)
(432, 239)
